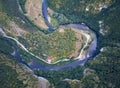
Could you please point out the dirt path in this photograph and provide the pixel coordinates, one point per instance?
(81, 55)
(78, 43)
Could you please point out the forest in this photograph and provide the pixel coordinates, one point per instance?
(15, 75)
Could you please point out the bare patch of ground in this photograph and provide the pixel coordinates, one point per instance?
(79, 42)
(15, 30)
(61, 30)
(43, 83)
(34, 12)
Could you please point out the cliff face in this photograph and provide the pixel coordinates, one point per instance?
(43, 83)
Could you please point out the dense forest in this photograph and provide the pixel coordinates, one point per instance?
(14, 74)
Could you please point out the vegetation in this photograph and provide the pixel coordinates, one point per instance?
(102, 72)
(4, 18)
(56, 45)
(8, 78)
(10, 12)
(4, 46)
(90, 80)
(107, 67)
(56, 18)
(56, 77)
(15, 75)
(104, 69)
(75, 10)
(34, 13)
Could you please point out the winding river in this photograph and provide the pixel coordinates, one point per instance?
(37, 66)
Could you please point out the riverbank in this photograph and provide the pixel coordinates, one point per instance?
(36, 65)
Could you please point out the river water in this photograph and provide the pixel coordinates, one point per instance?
(37, 66)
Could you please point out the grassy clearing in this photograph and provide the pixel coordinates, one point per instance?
(34, 12)
(57, 45)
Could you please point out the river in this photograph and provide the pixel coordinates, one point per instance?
(37, 66)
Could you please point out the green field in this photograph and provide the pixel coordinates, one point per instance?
(56, 45)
